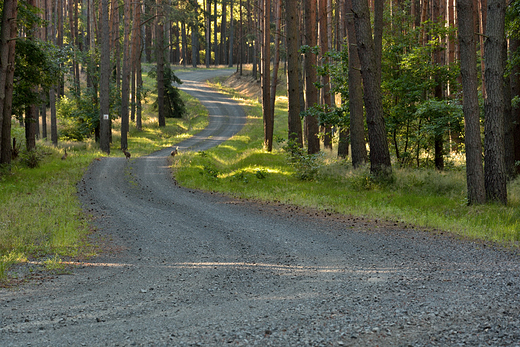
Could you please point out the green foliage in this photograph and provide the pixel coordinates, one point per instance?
(79, 117)
(440, 116)
(307, 166)
(37, 64)
(173, 103)
(31, 158)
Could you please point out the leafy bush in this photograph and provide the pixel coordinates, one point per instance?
(31, 158)
(79, 117)
(306, 165)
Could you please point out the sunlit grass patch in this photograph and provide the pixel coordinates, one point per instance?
(422, 197)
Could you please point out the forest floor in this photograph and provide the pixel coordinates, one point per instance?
(191, 268)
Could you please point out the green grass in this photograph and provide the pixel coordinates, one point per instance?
(39, 211)
(40, 214)
(422, 197)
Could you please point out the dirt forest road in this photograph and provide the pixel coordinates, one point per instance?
(189, 268)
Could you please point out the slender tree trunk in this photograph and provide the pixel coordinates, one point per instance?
(293, 79)
(380, 164)
(159, 53)
(266, 68)
(207, 22)
(7, 54)
(311, 92)
(215, 40)
(231, 34)
(514, 45)
(184, 44)
(194, 45)
(357, 123)
(494, 170)
(509, 146)
(468, 70)
(439, 90)
(148, 32)
(241, 39)
(325, 90)
(31, 111)
(276, 62)
(223, 34)
(104, 81)
(125, 85)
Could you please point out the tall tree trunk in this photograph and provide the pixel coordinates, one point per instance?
(324, 45)
(159, 53)
(266, 68)
(468, 71)
(215, 30)
(514, 46)
(125, 85)
(148, 31)
(194, 45)
(276, 62)
(207, 22)
(357, 123)
(482, 22)
(509, 146)
(231, 34)
(438, 61)
(31, 111)
(241, 62)
(494, 170)
(184, 44)
(380, 164)
(7, 54)
(116, 44)
(311, 92)
(223, 27)
(293, 79)
(104, 81)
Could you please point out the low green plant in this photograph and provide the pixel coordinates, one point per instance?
(54, 264)
(307, 166)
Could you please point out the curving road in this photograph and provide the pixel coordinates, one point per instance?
(187, 268)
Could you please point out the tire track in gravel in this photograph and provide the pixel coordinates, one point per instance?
(200, 269)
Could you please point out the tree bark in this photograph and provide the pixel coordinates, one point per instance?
(514, 45)
(325, 90)
(311, 92)
(266, 85)
(357, 123)
(125, 84)
(207, 22)
(468, 71)
(104, 81)
(509, 146)
(7, 52)
(494, 170)
(159, 53)
(31, 111)
(276, 62)
(293, 79)
(380, 164)
(223, 27)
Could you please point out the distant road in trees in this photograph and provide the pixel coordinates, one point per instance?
(182, 267)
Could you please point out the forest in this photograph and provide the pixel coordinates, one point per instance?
(396, 83)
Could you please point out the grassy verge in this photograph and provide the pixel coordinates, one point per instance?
(40, 215)
(423, 197)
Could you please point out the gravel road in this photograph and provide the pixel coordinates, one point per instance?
(188, 268)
